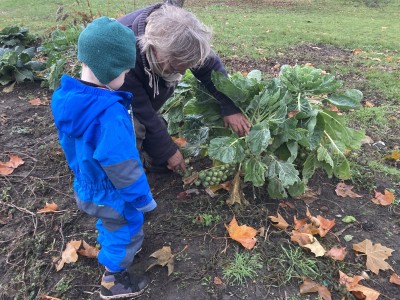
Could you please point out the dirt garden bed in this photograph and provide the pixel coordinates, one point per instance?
(30, 241)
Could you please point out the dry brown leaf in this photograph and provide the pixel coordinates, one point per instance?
(236, 193)
(164, 258)
(309, 196)
(36, 102)
(308, 241)
(292, 113)
(49, 207)
(337, 253)
(383, 199)
(6, 168)
(309, 286)
(367, 140)
(190, 179)
(279, 222)
(88, 251)
(180, 141)
(9, 88)
(376, 255)
(358, 290)
(243, 234)
(323, 225)
(357, 51)
(369, 104)
(286, 204)
(345, 190)
(48, 297)
(5, 219)
(69, 255)
(218, 281)
(394, 278)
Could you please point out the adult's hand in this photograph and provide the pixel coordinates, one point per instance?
(176, 162)
(239, 123)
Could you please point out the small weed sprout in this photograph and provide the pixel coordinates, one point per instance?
(244, 266)
(206, 219)
(296, 265)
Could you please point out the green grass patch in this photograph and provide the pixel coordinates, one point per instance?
(243, 267)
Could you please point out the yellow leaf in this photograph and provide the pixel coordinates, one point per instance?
(49, 207)
(242, 234)
(306, 240)
(383, 199)
(69, 255)
(279, 221)
(376, 255)
(309, 286)
(395, 155)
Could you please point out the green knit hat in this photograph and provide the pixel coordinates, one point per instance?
(108, 48)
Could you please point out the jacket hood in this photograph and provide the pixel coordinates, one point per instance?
(75, 105)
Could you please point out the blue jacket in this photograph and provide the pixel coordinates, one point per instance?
(97, 136)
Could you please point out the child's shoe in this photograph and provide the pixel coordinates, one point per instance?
(121, 285)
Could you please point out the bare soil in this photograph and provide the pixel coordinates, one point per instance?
(29, 241)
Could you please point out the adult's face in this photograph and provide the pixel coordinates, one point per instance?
(169, 66)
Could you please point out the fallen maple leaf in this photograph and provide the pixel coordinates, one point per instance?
(6, 168)
(383, 199)
(357, 51)
(337, 253)
(345, 190)
(69, 255)
(49, 207)
(306, 240)
(309, 286)
(88, 251)
(376, 255)
(394, 278)
(286, 204)
(279, 221)
(243, 234)
(164, 258)
(358, 290)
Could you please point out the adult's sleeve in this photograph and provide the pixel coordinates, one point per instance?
(158, 143)
(203, 73)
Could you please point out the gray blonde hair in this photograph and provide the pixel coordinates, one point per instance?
(177, 35)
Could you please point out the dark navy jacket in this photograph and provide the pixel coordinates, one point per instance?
(158, 144)
(97, 136)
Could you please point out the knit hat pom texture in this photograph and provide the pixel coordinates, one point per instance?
(108, 48)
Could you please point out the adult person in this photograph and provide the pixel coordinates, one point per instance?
(170, 40)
